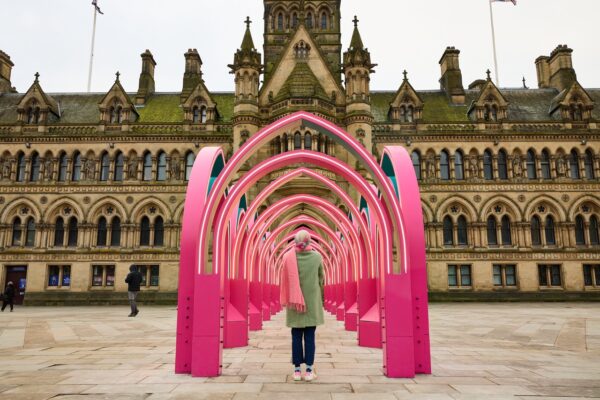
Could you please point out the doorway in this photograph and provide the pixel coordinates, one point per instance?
(17, 274)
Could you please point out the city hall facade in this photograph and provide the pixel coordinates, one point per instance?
(93, 183)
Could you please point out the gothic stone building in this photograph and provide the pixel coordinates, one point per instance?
(93, 183)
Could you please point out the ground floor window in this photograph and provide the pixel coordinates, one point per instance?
(459, 276)
(591, 275)
(150, 275)
(59, 275)
(103, 275)
(550, 275)
(505, 275)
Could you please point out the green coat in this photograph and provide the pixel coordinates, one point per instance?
(310, 271)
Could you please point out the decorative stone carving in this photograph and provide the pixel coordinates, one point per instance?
(561, 168)
(517, 166)
(6, 167)
(132, 166)
(89, 168)
(473, 167)
(48, 168)
(430, 166)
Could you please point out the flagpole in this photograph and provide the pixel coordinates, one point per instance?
(494, 43)
(89, 85)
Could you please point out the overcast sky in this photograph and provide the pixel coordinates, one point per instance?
(54, 37)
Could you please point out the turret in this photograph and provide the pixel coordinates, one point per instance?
(146, 86)
(357, 71)
(247, 68)
(5, 72)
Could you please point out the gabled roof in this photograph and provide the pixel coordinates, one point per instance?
(565, 97)
(36, 92)
(302, 82)
(487, 92)
(117, 91)
(405, 92)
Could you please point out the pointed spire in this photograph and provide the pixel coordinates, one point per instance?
(356, 43)
(248, 43)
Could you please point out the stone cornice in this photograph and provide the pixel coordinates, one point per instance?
(580, 186)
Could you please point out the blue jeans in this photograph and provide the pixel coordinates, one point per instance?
(306, 356)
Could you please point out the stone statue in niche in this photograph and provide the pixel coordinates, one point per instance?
(517, 166)
(175, 168)
(473, 167)
(430, 166)
(561, 168)
(48, 168)
(6, 167)
(89, 168)
(132, 167)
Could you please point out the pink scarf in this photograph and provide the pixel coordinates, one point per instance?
(291, 292)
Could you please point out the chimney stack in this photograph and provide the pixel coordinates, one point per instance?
(5, 72)
(146, 86)
(451, 80)
(557, 70)
(193, 73)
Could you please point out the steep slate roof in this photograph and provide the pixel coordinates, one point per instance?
(302, 82)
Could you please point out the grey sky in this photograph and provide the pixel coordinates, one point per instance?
(53, 37)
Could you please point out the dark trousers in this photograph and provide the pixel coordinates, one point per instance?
(306, 355)
(7, 302)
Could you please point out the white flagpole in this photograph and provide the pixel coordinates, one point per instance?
(89, 85)
(494, 44)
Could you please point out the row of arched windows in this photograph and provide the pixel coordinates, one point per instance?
(301, 141)
(281, 21)
(66, 233)
(72, 168)
(574, 165)
(542, 230)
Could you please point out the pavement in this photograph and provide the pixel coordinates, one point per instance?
(479, 351)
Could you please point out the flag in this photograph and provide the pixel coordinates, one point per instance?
(506, 1)
(95, 4)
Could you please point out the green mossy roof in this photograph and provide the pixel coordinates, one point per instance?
(438, 108)
(302, 82)
(163, 108)
(225, 102)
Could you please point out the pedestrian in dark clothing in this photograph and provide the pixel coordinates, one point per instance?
(133, 280)
(9, 295)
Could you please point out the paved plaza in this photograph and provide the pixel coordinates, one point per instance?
(480, 351)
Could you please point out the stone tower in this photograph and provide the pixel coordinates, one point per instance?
(247, 68)
(321, 19)
(357, 71)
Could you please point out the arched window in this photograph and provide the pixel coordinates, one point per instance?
(285, 140)
(119, 164)
(119, 114)
(145, 232)
(115, 232)
(147, 166)
(189, 164)
(536, 231)
(505, 231)
(102, 232)
(494, 113)
(488, 170)
(486, 113)
(549, 230)
(30, 233)
(403, 113)
(294, 20)
(159, 232)
(309, 20)
(33, 113)
(62, 167)
(531, 170)
(545, 164)
(502, 168)
(579, 231)
(104, 167)
(21, 167)
(59, 232)
(323, 20)
(73, 232)
(416, 162)
(492, 231)
(34, 172)
(203, 114)
(113, 115)
(448, 231)
(576, 112)
(444, 165)
(17, 232)
(297, 141)
(459, 168)
(280, 21)
(594, 234)
(307, 141)
(409, 114)
(462, 231)
(161, 171)
(589, 165)
(195, 115)
(76, 174)
(574, 164)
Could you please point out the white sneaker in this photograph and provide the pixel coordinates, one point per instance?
(310, 376)
(297, 375)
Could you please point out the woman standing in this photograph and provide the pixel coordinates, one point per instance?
(9, 295)
(302, 282)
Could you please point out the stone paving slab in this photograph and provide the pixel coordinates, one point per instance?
(479, 351)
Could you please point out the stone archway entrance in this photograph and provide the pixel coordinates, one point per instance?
(374, 254)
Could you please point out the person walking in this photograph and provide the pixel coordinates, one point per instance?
(133, 280)
(302, 281)
(8, 297)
